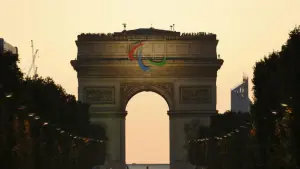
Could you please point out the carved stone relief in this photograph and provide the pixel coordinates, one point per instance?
(171, 48)
(182, 49)
(122, 48)
(129, 89)
(195, 94)
(150, 48)
(159, 49)
(109, 48)
(100, 95)
(195, 49)
(99, 48)
(147, 49)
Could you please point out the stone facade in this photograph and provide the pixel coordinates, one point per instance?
(108, 79)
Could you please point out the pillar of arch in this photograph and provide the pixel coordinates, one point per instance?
(107, 80)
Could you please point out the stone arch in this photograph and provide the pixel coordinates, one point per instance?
(187, 82)
(165, 90)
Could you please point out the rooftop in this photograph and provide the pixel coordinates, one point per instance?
(145, 33)
(6, 47)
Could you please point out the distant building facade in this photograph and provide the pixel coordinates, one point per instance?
(5, 47)
(240, 101)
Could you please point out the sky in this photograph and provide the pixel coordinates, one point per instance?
(247, 31)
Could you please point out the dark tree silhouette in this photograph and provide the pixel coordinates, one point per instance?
(10, 84)
(277, 82)
(229, 152)
(42, 146)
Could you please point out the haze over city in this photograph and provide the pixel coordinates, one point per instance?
(247, 31)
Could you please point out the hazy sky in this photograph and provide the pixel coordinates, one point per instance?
(247, 31)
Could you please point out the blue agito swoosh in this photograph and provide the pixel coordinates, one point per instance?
(140, 62)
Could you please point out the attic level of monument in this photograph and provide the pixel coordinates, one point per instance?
(107, 55)
(146, 34)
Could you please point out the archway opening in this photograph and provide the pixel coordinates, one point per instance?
(147, 129)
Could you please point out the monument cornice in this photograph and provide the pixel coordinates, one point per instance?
(166, 71)
(125, 61)
(145, 34)
(97, 38)
(176, 68)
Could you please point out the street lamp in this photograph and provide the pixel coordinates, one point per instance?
(284, 105)
(22, 107)
(9, 95)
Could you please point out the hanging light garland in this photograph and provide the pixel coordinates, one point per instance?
(63, 132)
(204, 140)
(250, 126)
(253, 132)
(225, 136)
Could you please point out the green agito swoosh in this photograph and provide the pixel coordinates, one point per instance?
(161, 63)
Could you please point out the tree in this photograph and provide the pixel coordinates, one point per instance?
(276, 81)
(10, 82)
(50, 101)
(42, 96)
(229, 152)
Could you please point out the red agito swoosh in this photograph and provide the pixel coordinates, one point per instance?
(132, 50)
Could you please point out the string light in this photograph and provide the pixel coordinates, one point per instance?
(229, 134)
(22, 107)
(8, 95)
(204, 140)
(248, 126)
(289, 110)
(45, 123)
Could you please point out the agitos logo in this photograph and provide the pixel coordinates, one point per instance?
(138, 47)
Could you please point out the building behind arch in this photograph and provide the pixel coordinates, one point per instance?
(240, 101)
(6, 47)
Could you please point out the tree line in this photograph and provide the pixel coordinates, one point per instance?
(28, 143)
(272, 140)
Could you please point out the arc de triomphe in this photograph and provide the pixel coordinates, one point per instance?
(107, 79)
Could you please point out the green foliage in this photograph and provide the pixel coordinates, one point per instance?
(43, 97)
(215, 153)
(50, 101)
(11, 76)
(10, 83)
(277, 80)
